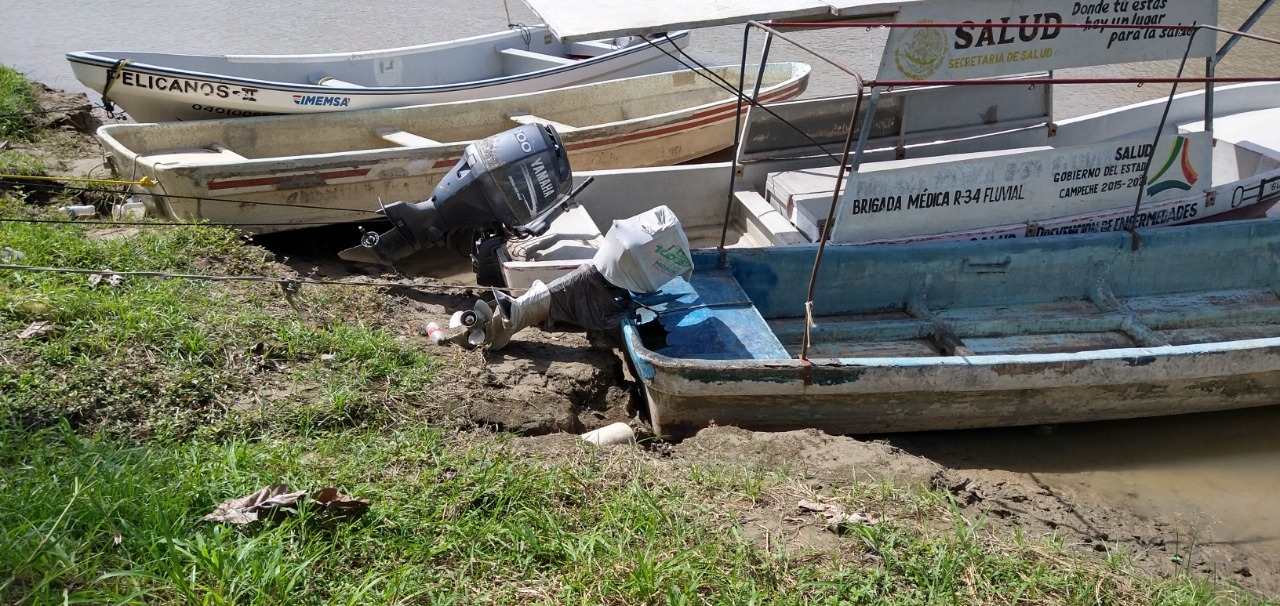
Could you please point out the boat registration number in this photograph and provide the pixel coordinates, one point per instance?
(1270, 187)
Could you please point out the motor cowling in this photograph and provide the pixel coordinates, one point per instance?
(508, 183)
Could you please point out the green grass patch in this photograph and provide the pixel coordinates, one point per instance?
(161, 358)
(18, 163)
(17, 103)
(469, 520)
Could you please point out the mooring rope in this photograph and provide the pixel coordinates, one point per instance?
(291, 283)
(144, 182)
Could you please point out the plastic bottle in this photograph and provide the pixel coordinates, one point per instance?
(435, 333)
(79, 210)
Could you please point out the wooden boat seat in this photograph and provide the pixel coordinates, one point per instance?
(531, 119)
(406, 139)
(716, 320)
(1242, 131)
(589, 48)
(519, 61)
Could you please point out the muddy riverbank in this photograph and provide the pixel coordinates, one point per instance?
(549, 387)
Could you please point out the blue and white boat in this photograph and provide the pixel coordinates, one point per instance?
(160, 87)
(794, 321)
(952, 335)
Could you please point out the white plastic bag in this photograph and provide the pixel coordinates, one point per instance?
(644, 252)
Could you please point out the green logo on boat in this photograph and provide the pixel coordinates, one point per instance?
(1181, 179)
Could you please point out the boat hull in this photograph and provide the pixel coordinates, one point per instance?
(157, 92)
(867, 399)
(226, 172)
(962, 335)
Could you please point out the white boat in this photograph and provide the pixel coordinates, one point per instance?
(158, 87)
(956, 161)
(276, 173)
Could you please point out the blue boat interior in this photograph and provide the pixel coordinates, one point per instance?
(711, 318)
(1183, 285)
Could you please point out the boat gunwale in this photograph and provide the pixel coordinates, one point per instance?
(797, 73)
(653, 358)
(97, 61)
(1167, 236)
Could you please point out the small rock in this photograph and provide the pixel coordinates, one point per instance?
(811, 506)
(9, 254)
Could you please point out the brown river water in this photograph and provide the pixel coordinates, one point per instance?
(1218, 470)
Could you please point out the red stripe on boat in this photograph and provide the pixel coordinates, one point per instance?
(264, 181)
(710, 116)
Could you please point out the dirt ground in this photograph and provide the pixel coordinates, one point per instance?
(549, 387)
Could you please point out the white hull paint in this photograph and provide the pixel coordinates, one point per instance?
(157, 87)
(1245, 181)
(952, 332)
(277, 173)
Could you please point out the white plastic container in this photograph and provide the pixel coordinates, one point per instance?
(609, 435)
(129, 211)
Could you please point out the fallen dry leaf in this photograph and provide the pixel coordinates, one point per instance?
(36, 329)
(248, 509)
(328, 504)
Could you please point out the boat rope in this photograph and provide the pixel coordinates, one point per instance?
(1136, 240)
(844, 163)
(721, 305)
(112, 72)
(63, 110)
(807, 338)
(144, 182)
(163, 223)
(202, 198)
(293, 284)
(39, 113)
(526, 34)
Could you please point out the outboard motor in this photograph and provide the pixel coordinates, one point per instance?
(512, 184)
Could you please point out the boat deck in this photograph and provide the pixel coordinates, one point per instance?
(1060, 327)
(1242, 130)
(711, 318)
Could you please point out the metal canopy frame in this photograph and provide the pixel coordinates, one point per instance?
(571, 20)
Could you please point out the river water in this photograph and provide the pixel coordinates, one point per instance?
(1220, 470)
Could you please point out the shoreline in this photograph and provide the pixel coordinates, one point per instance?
(548, 388)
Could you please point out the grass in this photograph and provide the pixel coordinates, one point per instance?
(18, 163)
(17, 103)
(170, 359)
(151, 401)
(464, 519)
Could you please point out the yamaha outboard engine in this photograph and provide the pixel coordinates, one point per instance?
(511, 184)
